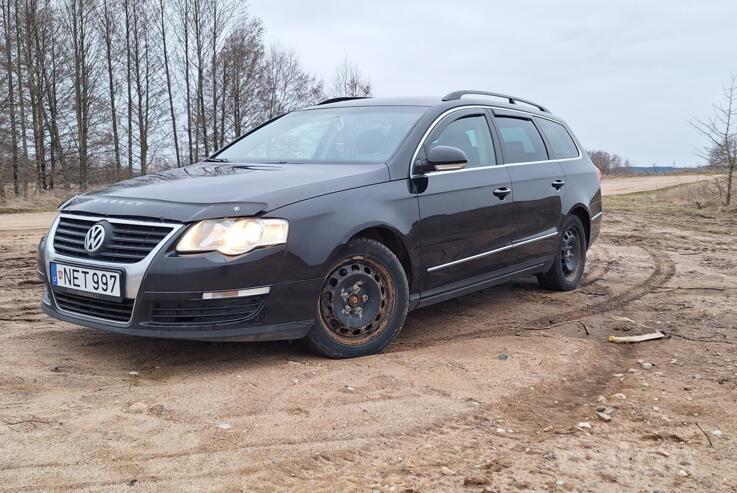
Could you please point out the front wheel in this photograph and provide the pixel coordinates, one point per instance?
(363, 302)
(570, 260)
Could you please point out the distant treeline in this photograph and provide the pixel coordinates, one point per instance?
(612, 164)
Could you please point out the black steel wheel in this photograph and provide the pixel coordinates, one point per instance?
(570, 261)
(363, 302)
(570, 252)
(357, 300)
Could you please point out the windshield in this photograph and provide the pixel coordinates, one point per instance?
(368, 134)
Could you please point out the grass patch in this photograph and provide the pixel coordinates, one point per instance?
(700, 198)
(45, 201)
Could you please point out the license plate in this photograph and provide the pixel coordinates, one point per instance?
(94, 283)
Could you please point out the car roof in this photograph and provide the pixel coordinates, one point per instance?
(430, 102)
(353, 102)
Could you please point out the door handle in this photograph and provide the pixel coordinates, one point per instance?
(558, 184)
(502, 192)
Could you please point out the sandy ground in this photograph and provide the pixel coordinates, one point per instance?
(496, 391)
(617, 186)
(26, 221)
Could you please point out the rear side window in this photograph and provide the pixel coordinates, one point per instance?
(561, 143)
(520, 140)
(470, 134)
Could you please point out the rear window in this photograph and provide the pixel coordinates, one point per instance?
(520, 140)
(561, 143)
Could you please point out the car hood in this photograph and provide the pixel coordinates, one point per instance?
(209, 190)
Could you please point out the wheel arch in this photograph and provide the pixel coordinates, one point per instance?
(391, 239)
(582, 212)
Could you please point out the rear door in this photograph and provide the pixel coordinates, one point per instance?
(537, 185)
(464, 213)
(582, 178)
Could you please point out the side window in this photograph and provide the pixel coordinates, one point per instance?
(561, 143)
(520, 140)
(470, 134)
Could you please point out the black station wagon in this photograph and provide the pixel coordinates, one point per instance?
(330, 224)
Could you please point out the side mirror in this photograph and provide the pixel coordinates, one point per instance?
(444, 158)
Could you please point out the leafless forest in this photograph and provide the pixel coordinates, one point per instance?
(99, 90)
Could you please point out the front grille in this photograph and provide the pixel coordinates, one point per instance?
(118, 311)
(205, 312)
(130, 243)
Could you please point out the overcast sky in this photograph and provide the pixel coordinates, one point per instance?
(626, 75)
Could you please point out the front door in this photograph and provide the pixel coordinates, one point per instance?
(464, 213)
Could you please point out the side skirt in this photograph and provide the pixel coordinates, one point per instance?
(478, 283)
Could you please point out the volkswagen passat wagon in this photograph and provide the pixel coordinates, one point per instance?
(330, 224)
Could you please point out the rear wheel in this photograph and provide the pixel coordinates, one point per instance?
(570, 260)
(363, 302)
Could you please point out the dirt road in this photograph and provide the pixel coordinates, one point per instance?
(496, 391)
(630, 184)
(32, 221)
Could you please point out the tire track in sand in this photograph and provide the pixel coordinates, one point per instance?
(664, 268)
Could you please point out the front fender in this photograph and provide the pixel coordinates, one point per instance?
(321, 226)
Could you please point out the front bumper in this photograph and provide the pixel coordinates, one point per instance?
(255, 332)
(275, 319)
(167, 299)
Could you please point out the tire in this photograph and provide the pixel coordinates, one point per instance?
(570, 259)
(363, 302)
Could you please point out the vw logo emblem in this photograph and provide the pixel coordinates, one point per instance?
(94, 238)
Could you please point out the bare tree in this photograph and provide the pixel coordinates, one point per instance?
(127, 9)
(82, 45)
(141, 72)
(243, 55)
(216, 16)
(721, 132)
(349, 82)
(285, 85)
(50, 74)
(21, 104)
(199, 26)
(36, 56)
(183, 8)
(164, 47)
(6, 21)
(109, 22)
(605, 161)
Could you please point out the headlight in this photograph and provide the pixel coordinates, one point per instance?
(233, 236)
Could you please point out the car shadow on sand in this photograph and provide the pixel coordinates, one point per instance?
(424, 327)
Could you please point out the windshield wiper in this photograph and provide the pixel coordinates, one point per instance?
(216, 160)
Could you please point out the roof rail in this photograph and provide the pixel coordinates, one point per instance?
(345, 98)
(512, 100)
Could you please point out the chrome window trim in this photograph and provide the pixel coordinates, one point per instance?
(134, 273)
(492, 252)
(489, 107)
